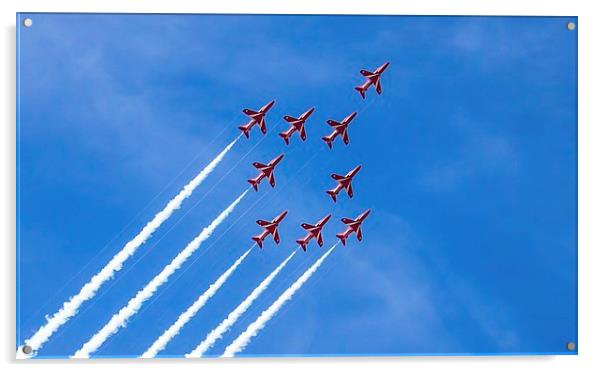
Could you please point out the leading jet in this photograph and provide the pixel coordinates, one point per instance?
(372, 78)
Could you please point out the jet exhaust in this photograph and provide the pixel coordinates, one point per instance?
(119, 319)
(225, 325)
(185, 317)
(241, 342)
(89, 290)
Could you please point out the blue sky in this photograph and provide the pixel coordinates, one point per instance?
(469, 165)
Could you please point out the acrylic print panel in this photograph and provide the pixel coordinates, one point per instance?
(262, 185)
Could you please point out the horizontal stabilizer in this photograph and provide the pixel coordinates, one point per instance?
(361, 91)
(258, 241)
(332, 194)
(253, 183)
(285, 137)
(245, 130)
(328, 141)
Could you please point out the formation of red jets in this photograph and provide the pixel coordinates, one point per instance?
(339, 129)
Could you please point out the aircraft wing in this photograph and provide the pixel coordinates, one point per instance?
(333, 123)
(347, 221)
(249, 112)
(320, 239)
(263, 222)
(272, 179)
(262, 126)
(307, 226)
(366, 73)
(290, 119)
(302, 133)
(359, 234)
(337, 177)
(276, 236)
(379, 89)
(259, 165)
(345, 136)
(349, 190)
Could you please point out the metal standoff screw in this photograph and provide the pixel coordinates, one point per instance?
(26, 349)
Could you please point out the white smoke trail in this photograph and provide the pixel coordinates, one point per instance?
(225, 325)
(244, 338)
(185, 317)
(119, 319)
(70, 308)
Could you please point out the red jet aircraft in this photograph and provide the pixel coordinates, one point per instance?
(269, 228)
(297, 124)
(339, 129)
(343, 182)
(372, 78)
(353, 226)
(313, 231)
(257, 117)
(265, 171)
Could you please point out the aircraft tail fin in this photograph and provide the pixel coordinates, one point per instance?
(342, 237)
(303, 244)
(332, 194)
(285, 137)
(258, 241)
(361, 91)
(245, 130)
(328, 141)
